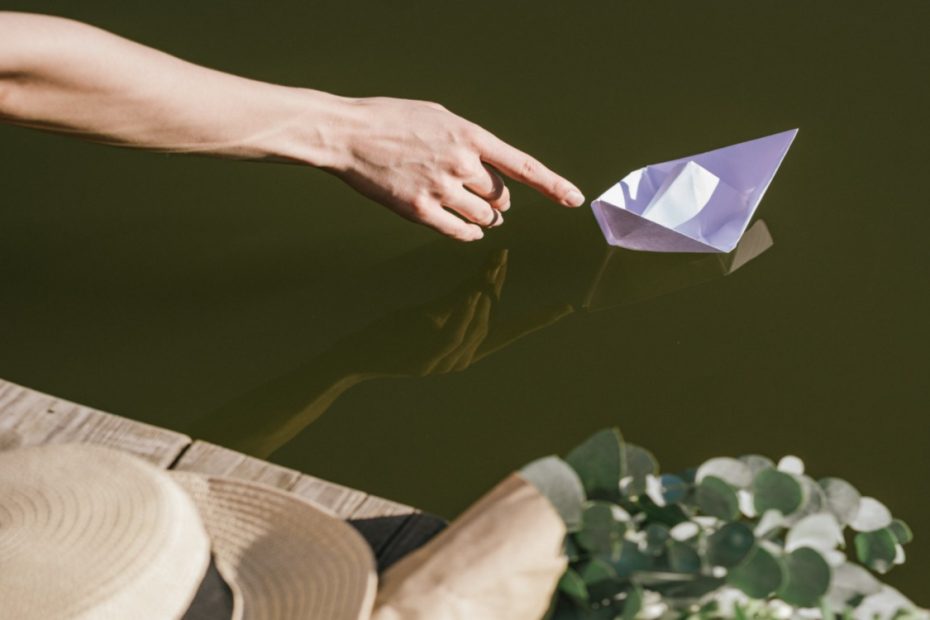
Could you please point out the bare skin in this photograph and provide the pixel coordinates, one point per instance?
(415, 157)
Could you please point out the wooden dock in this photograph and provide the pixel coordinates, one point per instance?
(28, 417)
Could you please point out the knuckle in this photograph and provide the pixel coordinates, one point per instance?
(471, 133)
(446, 189)
(529, 168)
(420, 205)
(462, 166)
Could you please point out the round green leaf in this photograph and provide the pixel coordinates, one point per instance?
(716, 498)
(599, 462)
(731, 471)
(901, 531)
(729, 545)
(656, 537)
(807, 578)
(599, 532)
(872, 515)
(876, 549)
(758, 575)
(566, 609)
(757, 463)
(572, 585)
(673, 488)
(814, 500)
(776, 490)
(631, 560)
(599, 578)
(633, 603)
(842, 498)
(559, 483)
(666, 489)
(670, 515)
(818, 531)
(851, 581)
(637, 465)
(594, 571)
(770, 522)
(791, 464)
(682, 558)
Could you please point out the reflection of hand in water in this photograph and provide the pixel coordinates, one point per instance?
(445, 335)
(460, 328)
(437, 337)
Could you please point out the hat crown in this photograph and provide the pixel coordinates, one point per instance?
(89, 532)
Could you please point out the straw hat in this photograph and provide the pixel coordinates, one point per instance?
(87, 532)
(91, 533)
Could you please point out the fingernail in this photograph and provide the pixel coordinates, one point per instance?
(573, 198)
(504, 206)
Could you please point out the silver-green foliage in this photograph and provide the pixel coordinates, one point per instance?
(735, 538)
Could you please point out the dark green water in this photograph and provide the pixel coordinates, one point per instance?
(271, 309)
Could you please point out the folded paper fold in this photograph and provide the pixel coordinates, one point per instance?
(701, 203)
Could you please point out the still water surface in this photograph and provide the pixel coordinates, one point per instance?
(271, 309)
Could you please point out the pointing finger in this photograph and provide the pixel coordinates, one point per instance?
(521, 167)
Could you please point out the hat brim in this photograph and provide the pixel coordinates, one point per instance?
(282, 556)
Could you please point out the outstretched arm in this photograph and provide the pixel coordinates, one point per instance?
(417, 158)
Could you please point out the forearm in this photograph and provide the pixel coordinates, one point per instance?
(62, 75)
(417, 158)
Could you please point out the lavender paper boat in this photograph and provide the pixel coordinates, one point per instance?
(701, 203)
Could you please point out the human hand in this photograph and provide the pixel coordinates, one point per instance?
(436, 168)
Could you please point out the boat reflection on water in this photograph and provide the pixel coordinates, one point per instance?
(628, 277)
(501, 302)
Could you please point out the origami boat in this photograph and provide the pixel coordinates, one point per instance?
(701, 203)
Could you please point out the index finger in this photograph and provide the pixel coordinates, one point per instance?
(523, 168)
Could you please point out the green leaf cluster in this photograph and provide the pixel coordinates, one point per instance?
(733, 538)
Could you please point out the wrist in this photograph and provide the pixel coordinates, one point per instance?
(317, 129)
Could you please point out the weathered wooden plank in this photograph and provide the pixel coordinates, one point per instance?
(207, 458)
(28, 417)
(378, 520)
(341, 500)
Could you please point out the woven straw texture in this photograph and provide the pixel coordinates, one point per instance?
(283, 557)
(88, 532)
